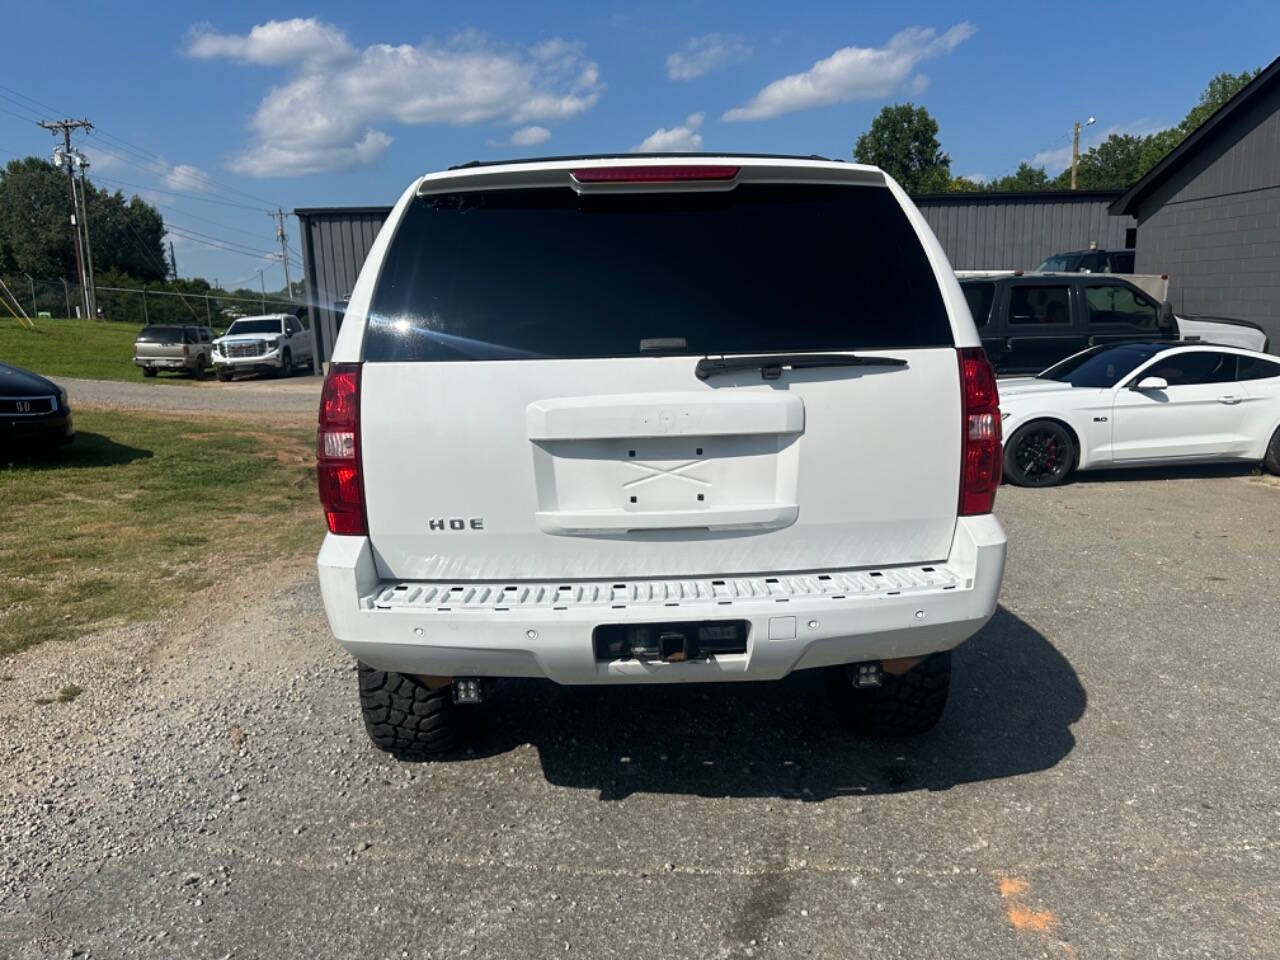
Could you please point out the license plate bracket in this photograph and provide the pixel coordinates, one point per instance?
(670, 642)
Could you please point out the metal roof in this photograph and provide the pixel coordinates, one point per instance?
(1176, 158)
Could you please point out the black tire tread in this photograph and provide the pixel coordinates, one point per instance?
(405, 717)
(1271, 461)
(901, 706)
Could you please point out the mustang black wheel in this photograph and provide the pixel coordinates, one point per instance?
(1039, 454)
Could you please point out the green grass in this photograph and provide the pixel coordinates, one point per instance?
(140, 511)
(93, 349)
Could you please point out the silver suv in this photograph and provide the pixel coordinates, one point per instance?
(186, 348)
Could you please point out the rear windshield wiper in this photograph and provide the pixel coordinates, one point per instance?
(770, 365)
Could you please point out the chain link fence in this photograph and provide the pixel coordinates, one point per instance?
(61, 298)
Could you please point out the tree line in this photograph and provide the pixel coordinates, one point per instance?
(903, 141)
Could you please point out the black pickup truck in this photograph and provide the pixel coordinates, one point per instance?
(1031, 321)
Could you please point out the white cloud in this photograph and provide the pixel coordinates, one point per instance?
(271, 43)
(975, 177)
(1058, 159)
(275, 160)
(530, 136)
(683, 138)
(703, 54)
(327, 116)
(186, 176)
(855, 73)
(100, 161)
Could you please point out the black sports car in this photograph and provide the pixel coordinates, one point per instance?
(34, 413)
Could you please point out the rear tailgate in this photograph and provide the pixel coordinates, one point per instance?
(513, 426)
(161, 343)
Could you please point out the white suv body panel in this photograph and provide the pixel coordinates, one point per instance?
(506, 473)
(539, 640)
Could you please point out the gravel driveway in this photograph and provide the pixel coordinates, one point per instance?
(1103, 784)
(295, 398)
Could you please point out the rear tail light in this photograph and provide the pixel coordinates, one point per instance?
(654, 174)
(981, 452)
(338, 451)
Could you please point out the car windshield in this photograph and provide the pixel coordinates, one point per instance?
(256, 325)
(1060, 263)
(1102, 366)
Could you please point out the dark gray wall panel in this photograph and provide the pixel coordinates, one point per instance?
(335, 243)
(1016, 232)
(1214, 224)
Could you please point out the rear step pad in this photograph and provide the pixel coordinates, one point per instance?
(836, 584)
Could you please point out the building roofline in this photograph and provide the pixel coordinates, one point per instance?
(993, 196)
(1178, 156)
(329, 211)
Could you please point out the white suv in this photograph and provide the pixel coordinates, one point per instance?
(656, 420)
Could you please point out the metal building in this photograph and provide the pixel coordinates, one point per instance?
(1209, 212)
(335, 241)
(996, 231)
(1016, 231)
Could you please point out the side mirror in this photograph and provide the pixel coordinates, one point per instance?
(1167, 319)
(1152, 383)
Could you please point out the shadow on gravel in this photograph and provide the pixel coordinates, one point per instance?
(1013, 700)
(87, 450)
(1186, 471)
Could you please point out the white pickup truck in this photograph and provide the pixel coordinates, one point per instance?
(656, 420)
(274, 343)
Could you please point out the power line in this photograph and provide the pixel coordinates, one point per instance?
(160, 160)
(213, 223)
(178, 193)
(230, 245)
(139, 152)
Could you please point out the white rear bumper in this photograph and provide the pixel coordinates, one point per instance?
(545, 630)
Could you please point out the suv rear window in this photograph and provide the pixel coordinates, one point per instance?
(162, 334)
(542, 273)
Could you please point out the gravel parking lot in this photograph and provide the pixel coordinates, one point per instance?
(1103, 784)
(293, 398)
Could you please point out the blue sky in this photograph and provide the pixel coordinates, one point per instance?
(235, 108)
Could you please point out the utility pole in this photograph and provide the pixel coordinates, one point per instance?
(278, 217)
(83, 163)
(65, 127)
(173, 260)
(262, 285)
(1075, 149)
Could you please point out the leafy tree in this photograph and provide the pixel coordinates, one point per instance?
(1119, 161)
(1026, 177)
(35, 230)
(127, 235)
(1220, 89)
(903, 141)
